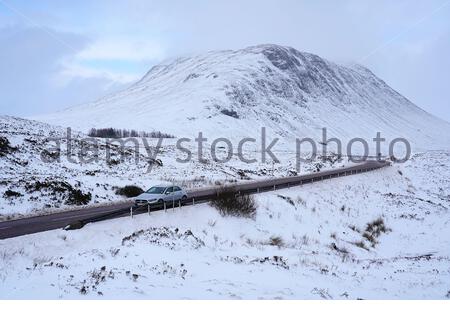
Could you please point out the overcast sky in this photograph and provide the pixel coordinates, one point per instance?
(55, 54)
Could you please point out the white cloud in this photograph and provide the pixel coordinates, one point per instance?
(73, 68)
(123, 49)
(116, 59)
(37, 76)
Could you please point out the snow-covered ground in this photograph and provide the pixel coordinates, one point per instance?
(382, 234)
(30, 186)
(305, 242)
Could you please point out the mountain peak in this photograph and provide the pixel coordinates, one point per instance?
(234, 92)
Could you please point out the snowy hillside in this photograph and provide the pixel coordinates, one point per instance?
(379, 234)
(28, 185)
(235, 93)
(317, 241)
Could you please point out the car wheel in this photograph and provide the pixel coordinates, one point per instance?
(183, 197)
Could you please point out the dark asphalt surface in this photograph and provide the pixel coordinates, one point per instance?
(14, 228)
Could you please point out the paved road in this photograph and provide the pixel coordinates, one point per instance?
(14, 228)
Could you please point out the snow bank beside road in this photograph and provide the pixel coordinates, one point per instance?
(305, 242)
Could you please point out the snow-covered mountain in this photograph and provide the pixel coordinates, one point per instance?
(235, 93)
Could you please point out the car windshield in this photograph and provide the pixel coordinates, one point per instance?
(156, 190)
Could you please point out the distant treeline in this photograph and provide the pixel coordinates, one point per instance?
(125, 133)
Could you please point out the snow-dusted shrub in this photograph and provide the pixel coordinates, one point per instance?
(48, 156)
(78, 198)
(5, 147)
(287, 199)
(49, 187)
(113, 162)
(230, 203)
(360, 244)
(276, 241)
(157, 162)
(230, 113)
(129, 191)
(374, 229)
(11, 194)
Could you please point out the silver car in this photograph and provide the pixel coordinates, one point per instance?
(160, 194)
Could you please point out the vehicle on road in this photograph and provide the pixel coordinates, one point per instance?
(160, 194)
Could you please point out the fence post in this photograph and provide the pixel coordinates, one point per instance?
(148, 209)
(131, 212)
(193, 201)
(179, 204)
(165, 209)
